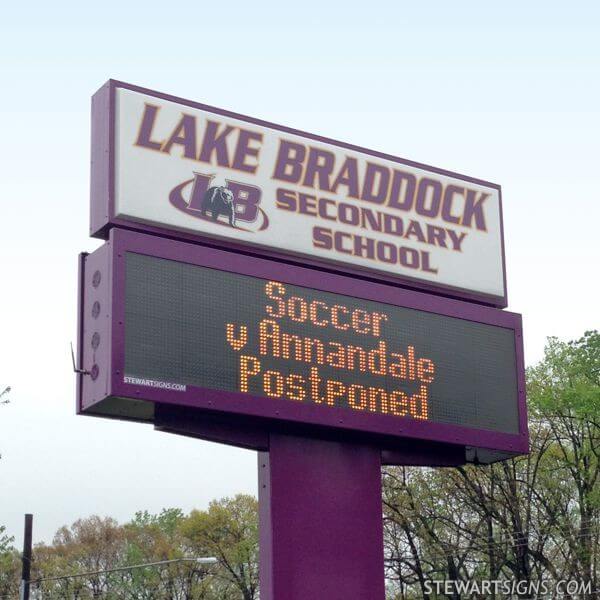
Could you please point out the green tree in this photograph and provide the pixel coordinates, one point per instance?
(10, 565)
(564, 394)
(100, 544)
(228, 530)
(93, 544)
(152, 538)
(5, 540)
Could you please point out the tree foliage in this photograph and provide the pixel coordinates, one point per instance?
(9, 566)
(92, 548)
(229, 531)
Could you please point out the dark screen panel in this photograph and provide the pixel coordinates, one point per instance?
(191, 325)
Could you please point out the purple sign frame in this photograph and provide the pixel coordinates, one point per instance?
(104, 392)
(103, 216)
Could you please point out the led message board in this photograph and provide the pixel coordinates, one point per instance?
(190, 325)
(162, 163)
(218, 331)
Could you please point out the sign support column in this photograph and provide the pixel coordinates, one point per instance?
(321, 525)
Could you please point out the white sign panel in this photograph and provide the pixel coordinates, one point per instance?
(201, 171)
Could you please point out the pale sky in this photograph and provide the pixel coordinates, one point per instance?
(507, 92)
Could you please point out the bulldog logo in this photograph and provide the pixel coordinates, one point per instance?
(233, 204)
(219, 200)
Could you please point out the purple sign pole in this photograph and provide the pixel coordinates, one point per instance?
(320, 516)
(321, 526)
(320, 510)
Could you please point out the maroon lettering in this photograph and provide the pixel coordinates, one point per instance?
(474, 210)
(323, 204)
(364, 247)
(322, 238)
(347, 176)
(307, 205)
(183, 135)
(319, 166)
(429, 196)
(144, 138)
(436, 236)
(387, 253)
(402, 193)
(447, 203)
(456, 239)
(409, 257)
(348, 213)
(286, 200)
(375, 187)
(426, 264)
(199, 188)
(290, 161)
(215, 142)
(246, 199)
(338, 238)
(244, 151)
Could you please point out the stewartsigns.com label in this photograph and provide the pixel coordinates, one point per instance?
(199, 171)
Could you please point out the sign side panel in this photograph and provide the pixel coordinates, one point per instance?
(95, 342)
(78, 361)
(521, 382)
(101, 189)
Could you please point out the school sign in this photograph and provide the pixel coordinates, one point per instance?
(293, 193)
(333, 308)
